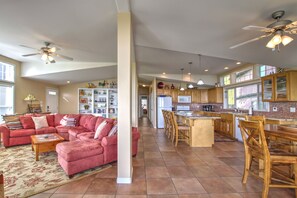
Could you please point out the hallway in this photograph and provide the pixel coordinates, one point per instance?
(162, 170)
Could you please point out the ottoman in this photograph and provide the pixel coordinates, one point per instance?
(77, 156)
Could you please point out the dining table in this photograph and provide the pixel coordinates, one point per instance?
(288, 132)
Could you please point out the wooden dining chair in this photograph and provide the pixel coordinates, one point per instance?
(180, 132)
(164, 113)
(255, 146)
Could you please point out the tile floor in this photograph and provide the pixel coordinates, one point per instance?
(161, 170)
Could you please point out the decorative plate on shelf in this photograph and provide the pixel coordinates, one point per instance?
(290, 127)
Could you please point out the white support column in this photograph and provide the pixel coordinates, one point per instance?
(124, 98)
(134, 96)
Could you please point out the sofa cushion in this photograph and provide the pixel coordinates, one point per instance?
(86, 136)
(58, 118)
(113, 131)
(66, 121)
(49, 117)
(91, 123)
(46, 130)
(77, 150)
(76, 117)
(65, 129)
(105, 130)
(40, 122)
(14, 125)
(84, 119)
(27, 122)
(22, 132)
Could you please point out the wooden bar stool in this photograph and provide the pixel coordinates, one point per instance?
(180, 132)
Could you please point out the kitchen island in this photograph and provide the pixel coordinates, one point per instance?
(201, 128)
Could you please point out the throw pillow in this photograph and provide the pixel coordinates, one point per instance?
(66, 121)
(113, 131)
(99, 129)
(13, 125)
(40, 122)
(27, 122)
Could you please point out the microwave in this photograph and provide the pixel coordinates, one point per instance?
(184, 99)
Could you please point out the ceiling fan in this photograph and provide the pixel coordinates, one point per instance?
(278, 29)
(48, 52)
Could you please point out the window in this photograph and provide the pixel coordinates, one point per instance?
(243, 97)
(7, 72)
(266, 70)
(244, 75)
(227, 79)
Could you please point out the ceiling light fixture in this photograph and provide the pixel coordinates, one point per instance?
(206, 70)
(182, 78)
(68, 81)
(279, 38)
(226, 67)
(238, 63)
(191, 86)
(200, 81)
(164, 73)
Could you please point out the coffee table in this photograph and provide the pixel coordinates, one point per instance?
(45, 143)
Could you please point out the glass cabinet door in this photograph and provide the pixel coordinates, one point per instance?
(281, 90)
(267, 89)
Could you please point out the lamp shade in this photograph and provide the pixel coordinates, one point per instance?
(270, 44)
(286, 40)
(190, 86)
(277, 39)
(200, 82)
(30, 98)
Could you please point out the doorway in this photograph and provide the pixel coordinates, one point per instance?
(52, 100)
(143, 105)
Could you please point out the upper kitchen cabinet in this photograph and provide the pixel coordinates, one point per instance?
(186, 92)
(196, 96)
(174, 94)
(203, 95)
(215, 95)
(280, 87)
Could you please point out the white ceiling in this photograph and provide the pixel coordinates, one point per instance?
(167, 34)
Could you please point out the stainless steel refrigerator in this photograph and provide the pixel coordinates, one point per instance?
(163, 103)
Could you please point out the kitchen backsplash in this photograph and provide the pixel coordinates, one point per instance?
(283, 109)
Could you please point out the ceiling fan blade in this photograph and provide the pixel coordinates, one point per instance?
(292, 25)
(249, 41)
(293, 31)
(258, 28)
(65, 57)
(31, 54)
(28, 47)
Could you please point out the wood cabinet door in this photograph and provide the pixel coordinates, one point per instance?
(219, 94)
(268, 88)
(204, 96)
(211, 95)
(160, 92)
(167, 92)
(174, 94)
(196, 96)
(188, 92)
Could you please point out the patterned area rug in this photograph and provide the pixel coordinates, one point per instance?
(23, 176)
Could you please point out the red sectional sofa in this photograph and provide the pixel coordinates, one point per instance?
(82, 152)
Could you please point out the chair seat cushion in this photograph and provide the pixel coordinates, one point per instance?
(22, 132)
(76, 150)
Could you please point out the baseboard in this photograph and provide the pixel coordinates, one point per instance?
(125, 180)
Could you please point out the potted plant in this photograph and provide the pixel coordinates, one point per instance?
(86, 106)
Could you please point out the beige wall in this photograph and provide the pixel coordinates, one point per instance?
(68, 96)
(143, 90)
(24, 86)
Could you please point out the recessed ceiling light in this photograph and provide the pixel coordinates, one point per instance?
(238, 63)
(206, 70)
(226, 68)
(143, 85)
(164, 73)
(68, 81)
(189, 73)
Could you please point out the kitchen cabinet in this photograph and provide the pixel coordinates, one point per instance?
(280, 87)
(160, 92)
(215, 95)
(196, 96)
(186, 92)
(204, 96)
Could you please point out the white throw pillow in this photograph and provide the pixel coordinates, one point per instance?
(40, 122)
(113, 131)
(99, 129)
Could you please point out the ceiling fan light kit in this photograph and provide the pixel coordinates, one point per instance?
(47, 53)
(278, 29)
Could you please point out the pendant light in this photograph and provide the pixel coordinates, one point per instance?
(190, 73)
(200, 81)
(182, 72)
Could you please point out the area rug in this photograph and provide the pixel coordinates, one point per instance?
(23, 176)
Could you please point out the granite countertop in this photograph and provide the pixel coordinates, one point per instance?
(196, 116)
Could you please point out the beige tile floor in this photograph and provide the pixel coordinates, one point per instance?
(162, 170)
